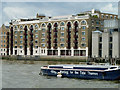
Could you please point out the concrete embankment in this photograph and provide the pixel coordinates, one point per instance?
(45, 58)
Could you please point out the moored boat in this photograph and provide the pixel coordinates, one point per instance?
(104, 72)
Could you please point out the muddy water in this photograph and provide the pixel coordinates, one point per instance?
(21, 74)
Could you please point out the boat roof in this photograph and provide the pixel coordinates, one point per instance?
(94, 66)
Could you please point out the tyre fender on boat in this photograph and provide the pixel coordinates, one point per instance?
(59, 74)
(103, 75)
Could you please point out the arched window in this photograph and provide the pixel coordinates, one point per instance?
(43, 25)
(83, 22)
(55, 25)
(62, 24)
(15, 27)
(21, 27)
(36, 26)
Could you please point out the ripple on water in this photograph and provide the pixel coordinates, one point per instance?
(20, 75)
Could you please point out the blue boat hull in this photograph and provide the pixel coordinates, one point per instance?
(105, 75)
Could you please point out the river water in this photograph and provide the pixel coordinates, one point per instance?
(21, 74)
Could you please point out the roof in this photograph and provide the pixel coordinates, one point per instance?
(97, 31)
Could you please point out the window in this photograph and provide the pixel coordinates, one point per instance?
(110, 39)
(43, 45)
(114, 17)
(15, 32)
(21, 42)
(43, 40)
(83, 38)
(36, 51)
(62, 24)
(107, 16)
(62, 34)
(15, 46)
(62, 28)
(36, 36)
(4, 45)
(36, 46)
(36, 41)
(43, 29)
(21, 32)
(97, 22)
(4, 41)
(111, 17)
(36, 26)
(43, 25)
(83, 44)
(43, 34)
(4, 33)
(102, 16)
(15, 27)
(62, 39)
(15, 42)
(20, 46)
(15, 36)
(83, 27)
(100, 46)
(83, 22)
(21, 37)
(110, 46)
(83, 33)
(21, 27)
(102, 22)
(36, 30)
(100, 39)
(97, 28)
(62, 45)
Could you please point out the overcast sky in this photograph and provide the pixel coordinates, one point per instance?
(16, 10)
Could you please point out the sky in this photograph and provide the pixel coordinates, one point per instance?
(17, 10)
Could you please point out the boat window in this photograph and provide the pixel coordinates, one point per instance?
(55, 67)
(112, 67)
(89, 68)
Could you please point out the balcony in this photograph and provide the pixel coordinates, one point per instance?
(75, 36)
(76, 24)
(55, 35)
(7, 46)
(55, 47)
(49, 42)
(68, 47)
(31, 44)
(48, 31)
(75, 47)
(55, 25)
(31, 33)
(49, 37)
(25, 44)
(75, 41)
(25, 33)
(68, 36)
(68, 41)
(55, 30)
(48, 47)
(68, 24)
(25, 39)
(55, 41)
(68, 31)
(49, 26)
(76, 30)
